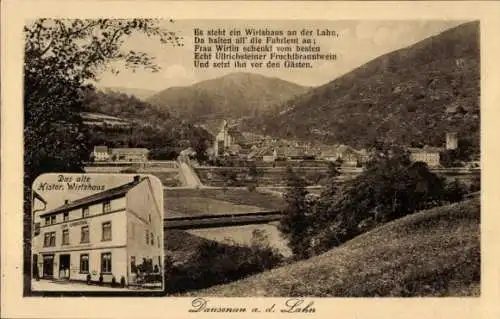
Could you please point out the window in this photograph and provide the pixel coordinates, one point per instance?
(149, 218)
(65, 216)
(52, 219)
(106, 262)
(85, 234)
(152, 239)
(65, 237)
(47, 220)
(147, 237)
(106, 231)
(49, 239)
(133, 267)
(85, 211)
(84, 263)
(106, 206)
(158, 241)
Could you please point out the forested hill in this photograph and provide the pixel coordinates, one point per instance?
(231, 96)
(412, 95)
(152, 128)
(125, 106)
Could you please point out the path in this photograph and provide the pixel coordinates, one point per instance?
(190, 177)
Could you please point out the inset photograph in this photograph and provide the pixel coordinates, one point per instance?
(97, 232)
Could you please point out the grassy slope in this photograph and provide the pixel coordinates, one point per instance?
(430, 253)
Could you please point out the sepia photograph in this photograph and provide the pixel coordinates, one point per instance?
(96, 232)
(322, 158)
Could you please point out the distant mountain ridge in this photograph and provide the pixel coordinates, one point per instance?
(141, 94)
(415, 94)
(231, 96)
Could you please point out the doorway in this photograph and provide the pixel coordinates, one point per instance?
(48, 266)
(36, 273)
(64, 262)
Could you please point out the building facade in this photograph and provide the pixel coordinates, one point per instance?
(451, 141)
(100, 237)
(103, 154)
(129, 154)
(428, 155)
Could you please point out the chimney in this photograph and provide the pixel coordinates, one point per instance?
(66, 202)
(136, 178)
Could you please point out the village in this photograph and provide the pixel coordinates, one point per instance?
(232, 144)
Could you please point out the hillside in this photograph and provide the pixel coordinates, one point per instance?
(414, 94)
(430, 253)
(141, 94)
(120, 120)
(232, 96)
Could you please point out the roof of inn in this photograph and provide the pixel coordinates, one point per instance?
(109, 193)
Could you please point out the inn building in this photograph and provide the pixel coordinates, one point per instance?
(101, 236)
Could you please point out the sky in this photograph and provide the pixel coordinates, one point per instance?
(358, 42)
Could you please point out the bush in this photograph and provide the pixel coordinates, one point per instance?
(88, 279)
(113, 281)
(455, 191)
(390, 187)
(122, 282)
(101, 279)
(475, 185)
(215, 263)
(252, 187)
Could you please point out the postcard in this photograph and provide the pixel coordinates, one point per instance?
(180, 159)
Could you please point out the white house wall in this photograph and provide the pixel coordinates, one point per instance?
(140, 207)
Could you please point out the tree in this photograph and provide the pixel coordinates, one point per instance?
(455, 190)
(61, 57)
(200, 146)
(295, 223)
(390, 187)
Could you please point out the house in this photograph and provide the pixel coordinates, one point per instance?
(428, 155)
(328, 154)
(101, 153)
(129, 154)
(270, 155)
(451, 141)
(104, 154)
(101, 237)
(234, 149)
(188, 152)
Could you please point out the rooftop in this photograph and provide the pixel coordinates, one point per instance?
(110, 193)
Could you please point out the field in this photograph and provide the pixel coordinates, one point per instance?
(430, 253)
(190, 206)
(242, 235)
(191, 202)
